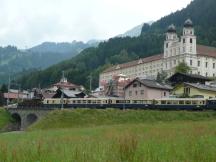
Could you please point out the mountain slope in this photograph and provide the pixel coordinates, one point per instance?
(134, 32)
(118, 50)
(14, 61)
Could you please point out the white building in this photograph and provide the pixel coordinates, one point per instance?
(201, 59)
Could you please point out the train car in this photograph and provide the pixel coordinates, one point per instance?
(88, 103)
(211, 104)
(162, 104)
(54, 102)
(30, 103)
(180, 104)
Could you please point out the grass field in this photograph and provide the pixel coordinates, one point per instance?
(136, 136)
(4, 118)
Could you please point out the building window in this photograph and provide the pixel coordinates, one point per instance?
(214, 75)
(183, 40)
(167, 45)
(198, 73)
(136, 93)
(142, 92)
(191, 40)
(198, 63)
(164, 94)
(187, 91)
(213, 65)
(206, 64)
(134, 85)
(191, 62)
(174, 62)
(206, 74)
(130, 93)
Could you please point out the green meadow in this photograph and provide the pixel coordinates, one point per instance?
(114, 136)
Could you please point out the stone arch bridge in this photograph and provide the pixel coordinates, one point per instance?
(26, 117)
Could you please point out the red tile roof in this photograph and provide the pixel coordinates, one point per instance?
(66, 85)
(11, 95)
(206, 51)
(201, 51)
(133, 63)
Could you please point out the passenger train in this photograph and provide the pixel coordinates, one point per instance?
(102, 103)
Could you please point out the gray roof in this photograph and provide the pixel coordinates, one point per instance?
(171, 28)
(71, 93)
(155, 84)
(152, 84)
(188, 23)
(202, 86)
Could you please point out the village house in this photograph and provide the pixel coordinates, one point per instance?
(68, 89)
(15, 95)
(195, 90)
(146, 89)
(179, 78)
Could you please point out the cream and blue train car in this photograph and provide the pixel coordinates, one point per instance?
(211, 104)
(180, 104)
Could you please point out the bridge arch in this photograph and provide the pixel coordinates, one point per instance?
(17, 120)
(31, 118)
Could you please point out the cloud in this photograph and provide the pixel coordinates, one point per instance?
(30, 22)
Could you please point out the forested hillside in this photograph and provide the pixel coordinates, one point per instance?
(16, 62)
(118, 50)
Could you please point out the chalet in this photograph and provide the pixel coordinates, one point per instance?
(179, 78)
(195, 90)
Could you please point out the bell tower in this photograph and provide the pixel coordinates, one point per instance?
(188, 40)
(171, 39)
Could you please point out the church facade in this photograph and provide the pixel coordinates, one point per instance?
(201, 59)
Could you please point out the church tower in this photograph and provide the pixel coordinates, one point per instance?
(171, 40)
(188, 40)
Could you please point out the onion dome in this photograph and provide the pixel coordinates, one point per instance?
(188, 23)
(171, 29)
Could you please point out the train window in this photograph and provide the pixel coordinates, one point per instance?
(194, 102)
(163, 102)
(78, 101)
(89, 101)
(169, 102)
(175, 102)
(74, 101)
(134, 102)
(98, 101)
(128, 101)
(188, 102)
(53, 101)
(84, 101)
(181, 102)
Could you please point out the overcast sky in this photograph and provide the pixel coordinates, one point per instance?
(25, 23)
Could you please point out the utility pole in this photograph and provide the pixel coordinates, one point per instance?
(8, 90)
(62, 99)
(90, 83)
